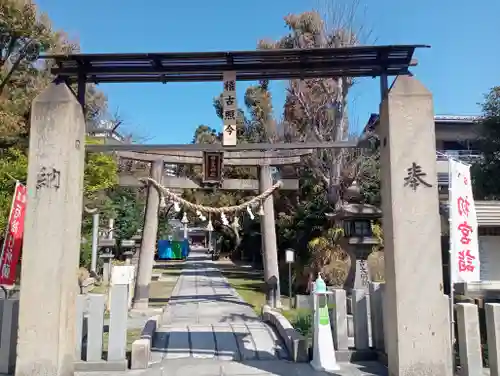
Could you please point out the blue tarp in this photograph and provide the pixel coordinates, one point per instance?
(185, 248)
(173, 250)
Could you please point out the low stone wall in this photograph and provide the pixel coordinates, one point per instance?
(357, 336)
(356, 321)
(90, 328)
(295, 342)
(469, 338)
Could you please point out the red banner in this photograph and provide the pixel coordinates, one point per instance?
(11, 249)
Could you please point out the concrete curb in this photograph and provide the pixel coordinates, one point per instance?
(141, 348)
(295, 342)
(165, 318)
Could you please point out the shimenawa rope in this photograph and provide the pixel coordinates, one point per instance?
(225, 209)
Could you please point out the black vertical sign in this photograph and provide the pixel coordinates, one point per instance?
(212, 167)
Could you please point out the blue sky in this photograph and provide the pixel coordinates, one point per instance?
(463, 63)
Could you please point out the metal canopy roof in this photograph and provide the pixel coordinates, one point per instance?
(370, 61)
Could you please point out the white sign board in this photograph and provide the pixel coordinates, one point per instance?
(289, 256)
(122, 274)
(464, 243)
(229, 109)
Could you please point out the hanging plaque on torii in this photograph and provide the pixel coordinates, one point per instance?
(212, 167)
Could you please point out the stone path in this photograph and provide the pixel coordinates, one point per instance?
(206, 319)
(213, 367)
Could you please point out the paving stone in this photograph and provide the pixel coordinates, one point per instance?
(264, 343)
(245, 341)
(227, 346)
(202, 341)
(178, 343)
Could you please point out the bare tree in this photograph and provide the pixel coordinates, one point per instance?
(317, 109)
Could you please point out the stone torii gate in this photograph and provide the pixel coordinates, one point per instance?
(260, 159)
(418, 337)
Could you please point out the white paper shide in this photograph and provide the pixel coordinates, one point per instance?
(463, 225)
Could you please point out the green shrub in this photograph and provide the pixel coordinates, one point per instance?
(303, 323)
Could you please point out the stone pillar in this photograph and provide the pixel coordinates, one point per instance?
(376, 315)
(469, 339)
(418, 338)
(268, 234)
(360, 319)
(8, 339)
(106, 267)
(46, 336)
(492, 312)
(339, 324)
(148, 242)
(95, 242)
(111, 228)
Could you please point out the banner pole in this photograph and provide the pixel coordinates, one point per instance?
(451, 267)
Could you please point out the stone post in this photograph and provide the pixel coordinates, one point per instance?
(339, 320)
(492, 312)
(418, 339)
(106, 267)
(376, 315)
(95, 242)
(8, 339)
(148, 242)
(469, 339)
(268, 234)
(360, 319)
(111, 228)
(51, 247)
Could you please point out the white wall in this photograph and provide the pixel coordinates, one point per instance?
(489, 253)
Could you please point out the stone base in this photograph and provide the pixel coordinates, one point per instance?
(101, 366)
(353, 355)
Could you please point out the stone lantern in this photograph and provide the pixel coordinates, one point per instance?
(129, 249)
(355, 218)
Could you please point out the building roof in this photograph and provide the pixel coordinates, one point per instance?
(359, 61)
(466, 119)
(373, 120)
